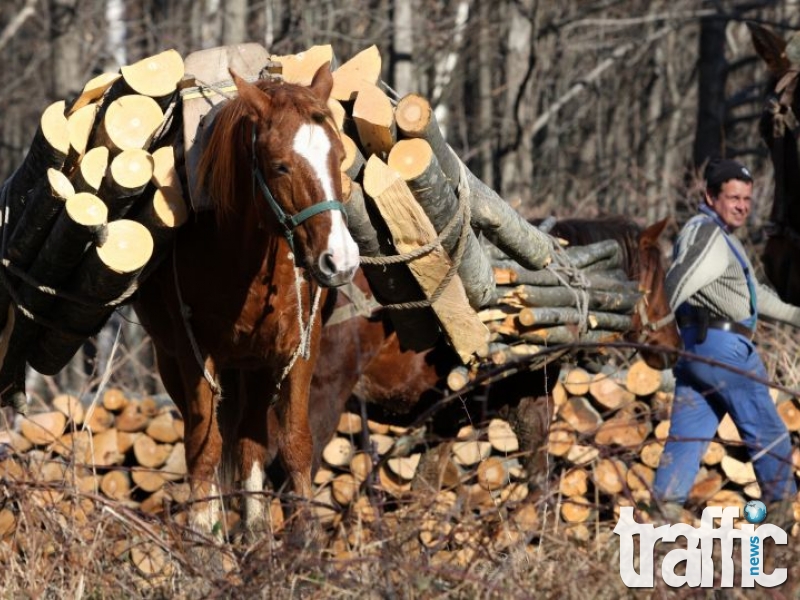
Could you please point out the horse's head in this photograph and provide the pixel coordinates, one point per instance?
(653, 321)
(276, 144)
(780, 129)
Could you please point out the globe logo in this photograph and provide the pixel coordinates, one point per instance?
(755, 511)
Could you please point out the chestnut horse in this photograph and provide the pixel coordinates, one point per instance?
(241, 289)
(779, 130)
(363, 356)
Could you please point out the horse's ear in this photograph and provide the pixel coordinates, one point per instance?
(654, 231)
(771, 48)
(255, 101)
(322, 82)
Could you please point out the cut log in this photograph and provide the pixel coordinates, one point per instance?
(471, 452)
(579, 413)
(502, 437)
(91, 171)
(174, 467)
(500, 223)
(155, 76)
(98, 419)
(131, 419)
(114, 399)
(573, 482)
(737, 471)
(44, 428)
(788, 410)
(615, 280)
(80, 125)
(607, 392)
(404, 467)
(551, 296)
(354, 161)
(116, 485)
(162, 215)
(642, 379)
(581, 454)
(727, 430)
(42, 208)
(349, 424)
(150, 453)
(338, 452)
(373, 116)
(492, 473)
(104, 277)
(129, 122)
(560, 439)
(344, 489)
(128, 175)
(416, 163)
(301, 67)
(458, 378)
(411, 229)
(640, 477)
(340, 116)
(714, 454)
(609, 475)
(71, 407)
(164, 173)
(104, 449)
(650, 454)
(576, 381)
(361, 466)
(362, 69)
(147, 480)
(576, 510)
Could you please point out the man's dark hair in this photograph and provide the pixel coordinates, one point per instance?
(720, 170)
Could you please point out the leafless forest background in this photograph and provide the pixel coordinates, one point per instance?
(580, 107)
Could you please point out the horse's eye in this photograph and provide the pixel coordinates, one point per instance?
(280, 169)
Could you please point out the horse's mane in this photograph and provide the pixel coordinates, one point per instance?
(226, 160)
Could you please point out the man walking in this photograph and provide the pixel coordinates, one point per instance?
(717, 300)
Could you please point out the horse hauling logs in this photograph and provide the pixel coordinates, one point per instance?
(103, 188)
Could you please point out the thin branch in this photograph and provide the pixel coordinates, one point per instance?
(17, 22)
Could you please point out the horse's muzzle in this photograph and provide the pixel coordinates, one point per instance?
(330, 272)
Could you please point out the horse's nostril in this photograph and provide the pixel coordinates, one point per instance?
(326, 263)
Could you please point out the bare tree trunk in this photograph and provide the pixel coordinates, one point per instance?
(234, 21)
(486, 110)
(65, 52)
(712, 76)
(402, 48)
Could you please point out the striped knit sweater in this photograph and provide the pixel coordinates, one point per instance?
(706, 273)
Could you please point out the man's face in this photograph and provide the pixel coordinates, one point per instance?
(733, 202)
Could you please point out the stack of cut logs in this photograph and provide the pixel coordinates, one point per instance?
(407, 189)
(95, 199)
(604, 444)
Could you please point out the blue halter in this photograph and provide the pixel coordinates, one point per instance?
(288, 222)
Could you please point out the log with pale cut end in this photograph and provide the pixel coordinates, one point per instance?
(80, 125)
(114, 399)
(582, 454)
(323, 476)
(338, 452)
(607, 391)
(44, 428)
(354, 161)
(156, 76)
(48, 149)
(390, 483)
(714, 453)
(789, 413)
(661, 431)
(362, 69)
(576, 381)
(150, 453)
(502, 437)
(576, 509)
(162, 214)
(640, 477)
(174, 467)
(727, 430)
(98, 419)
(752, 490)
(574, 482)
(546, 316)
(498, 221)
(361, 466)
(349, 424)
(725, 498)
(373, 116)
(93, 90)
(132, 419)
(471, 452)
(104, 275)
(643, 379)
(73, 444)
(344, 488)
(650, 454)
(116, 484)
(71, 407)
(609, 475)
(358, 220)
(301, 67)
(161, 428)
(91, 171)
(737, 471)
(411, 229)
(560, 439)
(128, 175)
(492, 473)
(340, 116)
(104, 450)
(404, 467)
(129, 122)
(43, 205)
(594, 299)
(165, 174)
(609, 280)
(579, 413)
(14, 440)
(458, 378)
(147, 480)
(416, 163)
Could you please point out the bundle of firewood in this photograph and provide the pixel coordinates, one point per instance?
(96, 198)
(410, 194)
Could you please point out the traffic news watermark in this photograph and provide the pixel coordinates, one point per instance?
(696, 553)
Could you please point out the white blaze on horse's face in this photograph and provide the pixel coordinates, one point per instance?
(338, 264)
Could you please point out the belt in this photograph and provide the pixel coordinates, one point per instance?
(721, 324)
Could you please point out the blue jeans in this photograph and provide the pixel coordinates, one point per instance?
(703, 394)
